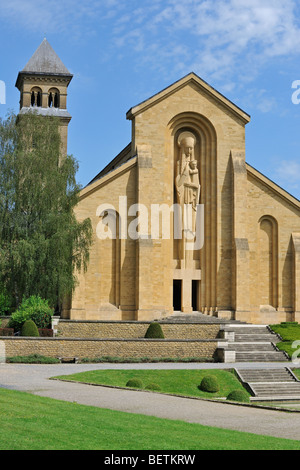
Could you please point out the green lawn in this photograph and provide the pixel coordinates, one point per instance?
(30, 422)
(179, 382)
(289, 332)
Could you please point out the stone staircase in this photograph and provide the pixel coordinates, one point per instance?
(270, 384)
(253, 343)
(196, 317)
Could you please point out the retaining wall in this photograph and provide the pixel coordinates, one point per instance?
(124, 330)
(123, 348)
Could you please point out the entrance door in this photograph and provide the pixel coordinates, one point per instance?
(195, 286)
(177, 295)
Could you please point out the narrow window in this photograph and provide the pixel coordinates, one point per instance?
(56, 100)
(53, 98)
(39, 99)
(50, 100)
(36, 97)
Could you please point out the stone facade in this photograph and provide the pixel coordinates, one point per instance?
(248, 266)
(187, 151)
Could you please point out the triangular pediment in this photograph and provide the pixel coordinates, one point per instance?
(198, 83)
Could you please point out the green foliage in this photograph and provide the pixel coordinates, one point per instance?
(153, 386)
(32, 359)
(41, 242)
(154, 331)
(134, 383)
(238, 395)
(210, 384)
(18, 318)
(41, 312)
(34, 308)
(29, 328)
(5, 303)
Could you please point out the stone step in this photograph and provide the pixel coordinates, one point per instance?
(270, 384)
(282, 392)
(198, 317)
(266, 375)
(239, 347)
(275, 387)
(245, 329)
(276, 356)
(251, 338)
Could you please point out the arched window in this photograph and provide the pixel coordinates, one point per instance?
(53, 98)
(36, 97)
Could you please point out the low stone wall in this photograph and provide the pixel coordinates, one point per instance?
(93, 348)
(126, 330)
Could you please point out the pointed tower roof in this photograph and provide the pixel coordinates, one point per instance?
(44, 61)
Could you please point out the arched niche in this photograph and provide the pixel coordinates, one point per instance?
(110, 251)
(205, 152)
(268, 261)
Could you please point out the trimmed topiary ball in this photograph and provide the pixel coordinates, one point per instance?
(154, 331)
(134, 383)
(29, 328)
(238, 395)
(209, 384)
(153, 386)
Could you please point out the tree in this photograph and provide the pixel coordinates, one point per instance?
(42, 244)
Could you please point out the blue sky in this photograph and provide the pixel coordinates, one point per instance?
(121, 52)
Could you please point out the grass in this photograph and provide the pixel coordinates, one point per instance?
(179, 382)
(30, 422)
(289, 332)
(297, 373)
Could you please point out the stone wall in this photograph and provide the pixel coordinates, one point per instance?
(93, 348)
(94, 329)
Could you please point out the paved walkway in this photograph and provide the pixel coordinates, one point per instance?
(35, 379)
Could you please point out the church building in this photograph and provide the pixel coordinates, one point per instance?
(181, 222)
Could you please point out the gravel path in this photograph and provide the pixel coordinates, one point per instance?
(35, 379)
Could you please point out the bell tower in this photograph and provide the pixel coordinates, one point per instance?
(43, 85)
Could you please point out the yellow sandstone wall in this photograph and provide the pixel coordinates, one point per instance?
(249, 264)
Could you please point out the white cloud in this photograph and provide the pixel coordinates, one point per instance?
(221, 40)
(288, 173)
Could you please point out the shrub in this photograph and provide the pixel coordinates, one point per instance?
(134, 383)
(153, 386)
(29, 328)
(238, 395)
(209, 384)
(34, 308)
(33, 359)
(5, 303)
(154, 331)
